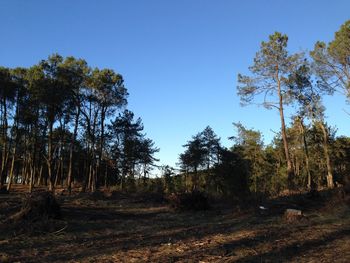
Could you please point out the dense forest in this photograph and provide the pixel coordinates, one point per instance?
(65, 124)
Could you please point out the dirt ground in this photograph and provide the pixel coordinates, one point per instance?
(131, 228)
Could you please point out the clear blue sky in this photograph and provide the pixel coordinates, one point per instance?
(179, 58)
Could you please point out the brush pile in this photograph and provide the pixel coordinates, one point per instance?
(38, 206)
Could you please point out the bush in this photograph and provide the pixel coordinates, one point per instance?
(195, 200)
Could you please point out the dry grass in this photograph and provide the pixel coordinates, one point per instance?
(125, 228)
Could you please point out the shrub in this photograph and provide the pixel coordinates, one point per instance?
(195, 200)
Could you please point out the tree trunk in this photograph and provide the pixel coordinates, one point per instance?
(15, 145)
(31, 181)
(290, 170)
(93, 181)
(98, 168)
(58, 173)
(49, 159)
(306, 150)
(93, 157)
(24, 167)
(38, 182)
(330, 183)
(195, 179)
(70, 168)
(4, 146)
(106, 174)
(12, 168)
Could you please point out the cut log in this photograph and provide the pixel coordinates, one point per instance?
(292, 215)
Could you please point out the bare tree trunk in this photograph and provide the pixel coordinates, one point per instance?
(330, 183)
(290, 170)
(12, 168)
(99, 161)
(93, 166)
(58, 173)
(306, 150)
(17, 175)
(31, 181)
(38, 182)
(4, 146)
(106, 173)
(24, 169)
(70, 168)
(93, 181)
(90, 176)
(195, 179)
(14, 147)
(27, 170)
(49, 159)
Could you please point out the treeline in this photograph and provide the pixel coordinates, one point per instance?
(249, 166)
(63, 122)
(304, 155)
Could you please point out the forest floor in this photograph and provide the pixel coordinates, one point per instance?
(133, 228)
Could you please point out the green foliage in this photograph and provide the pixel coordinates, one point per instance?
(169, 180)
(272, 65)
(60, 127)
(232, 173)
(332, 61)
(129, 147)
(250, 145)
(270, 82)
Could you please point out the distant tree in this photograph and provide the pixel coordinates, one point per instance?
(310, 103)
(74, 75)
(341, 159)
(251, 144)
(232, 174)
(130, 147)
(270, 181)
(184, 163)
(52, 93)
(168, 173)
(211, 145)
(110, 95)
(146, 152)
(194, 157)
(272, 65)
(33, 124)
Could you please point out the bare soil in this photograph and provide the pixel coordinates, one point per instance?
(133, 228)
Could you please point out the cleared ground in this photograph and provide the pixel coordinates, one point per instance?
(131, 228)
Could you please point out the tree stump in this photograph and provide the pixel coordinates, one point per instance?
(292, 215)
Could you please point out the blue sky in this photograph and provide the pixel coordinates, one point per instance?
(179, 58)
